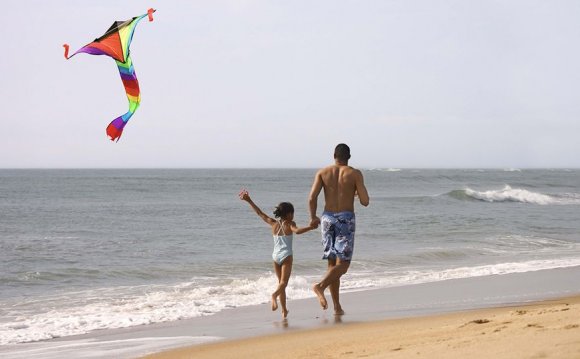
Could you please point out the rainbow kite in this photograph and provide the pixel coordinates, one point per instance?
(115, 43)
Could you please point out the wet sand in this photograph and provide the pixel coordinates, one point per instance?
(480, 316)
(547, 329)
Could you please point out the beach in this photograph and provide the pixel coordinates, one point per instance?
(495, 316)
(179, 261)
(546, 329)
(539, 310)
(434, 143)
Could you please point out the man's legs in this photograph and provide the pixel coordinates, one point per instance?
(335, 288)
(336, 269)
(338, 241)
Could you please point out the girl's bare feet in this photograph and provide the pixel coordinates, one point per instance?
(285, 313)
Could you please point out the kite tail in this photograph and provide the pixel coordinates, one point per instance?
(66, 47)
(129, 78)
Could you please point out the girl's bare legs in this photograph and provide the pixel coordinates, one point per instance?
(283, 272)
(278, 270)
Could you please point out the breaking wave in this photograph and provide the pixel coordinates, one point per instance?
(509, 194)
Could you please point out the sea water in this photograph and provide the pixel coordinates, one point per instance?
(82, 250)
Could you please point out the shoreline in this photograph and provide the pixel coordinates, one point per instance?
(412, 302)
(549, 328)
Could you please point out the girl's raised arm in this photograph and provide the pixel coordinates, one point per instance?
(245, 196)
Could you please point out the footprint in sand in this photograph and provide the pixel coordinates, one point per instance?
(500, 329)
(534, 325)
(476, 321)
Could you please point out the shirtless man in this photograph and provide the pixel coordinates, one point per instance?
(341, 184)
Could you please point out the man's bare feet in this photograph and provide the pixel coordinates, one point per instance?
(285, 313)
(320, 294)
(274, 302)
(339, 311)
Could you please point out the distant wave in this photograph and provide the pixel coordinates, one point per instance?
(509, 194)
(385, 169)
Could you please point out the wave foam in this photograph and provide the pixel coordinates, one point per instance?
(509, 194)
(120, 307)
(366, 281)
(108, 308)
(385, 169)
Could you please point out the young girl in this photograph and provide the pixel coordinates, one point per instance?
(283, 228)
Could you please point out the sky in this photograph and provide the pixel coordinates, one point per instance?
(270, 84)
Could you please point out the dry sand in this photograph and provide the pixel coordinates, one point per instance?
(548, 329)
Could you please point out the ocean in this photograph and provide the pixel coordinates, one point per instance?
(89, 249)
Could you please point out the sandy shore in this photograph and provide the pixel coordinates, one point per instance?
(547, 329)
(441, 319)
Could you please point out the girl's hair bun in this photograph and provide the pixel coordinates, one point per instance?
(283, 209)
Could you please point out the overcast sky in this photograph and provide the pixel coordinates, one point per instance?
(249, 83)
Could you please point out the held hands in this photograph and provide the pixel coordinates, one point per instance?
(313, 225)
(314, 222)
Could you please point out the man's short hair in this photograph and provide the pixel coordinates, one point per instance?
(342, 152)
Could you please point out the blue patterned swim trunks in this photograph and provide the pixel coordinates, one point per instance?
(338, 234)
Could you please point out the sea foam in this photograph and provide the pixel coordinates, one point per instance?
(121, 307)
(509, 194)
(359, 281)
(131, 306)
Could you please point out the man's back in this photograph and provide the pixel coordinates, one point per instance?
(340, 184)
